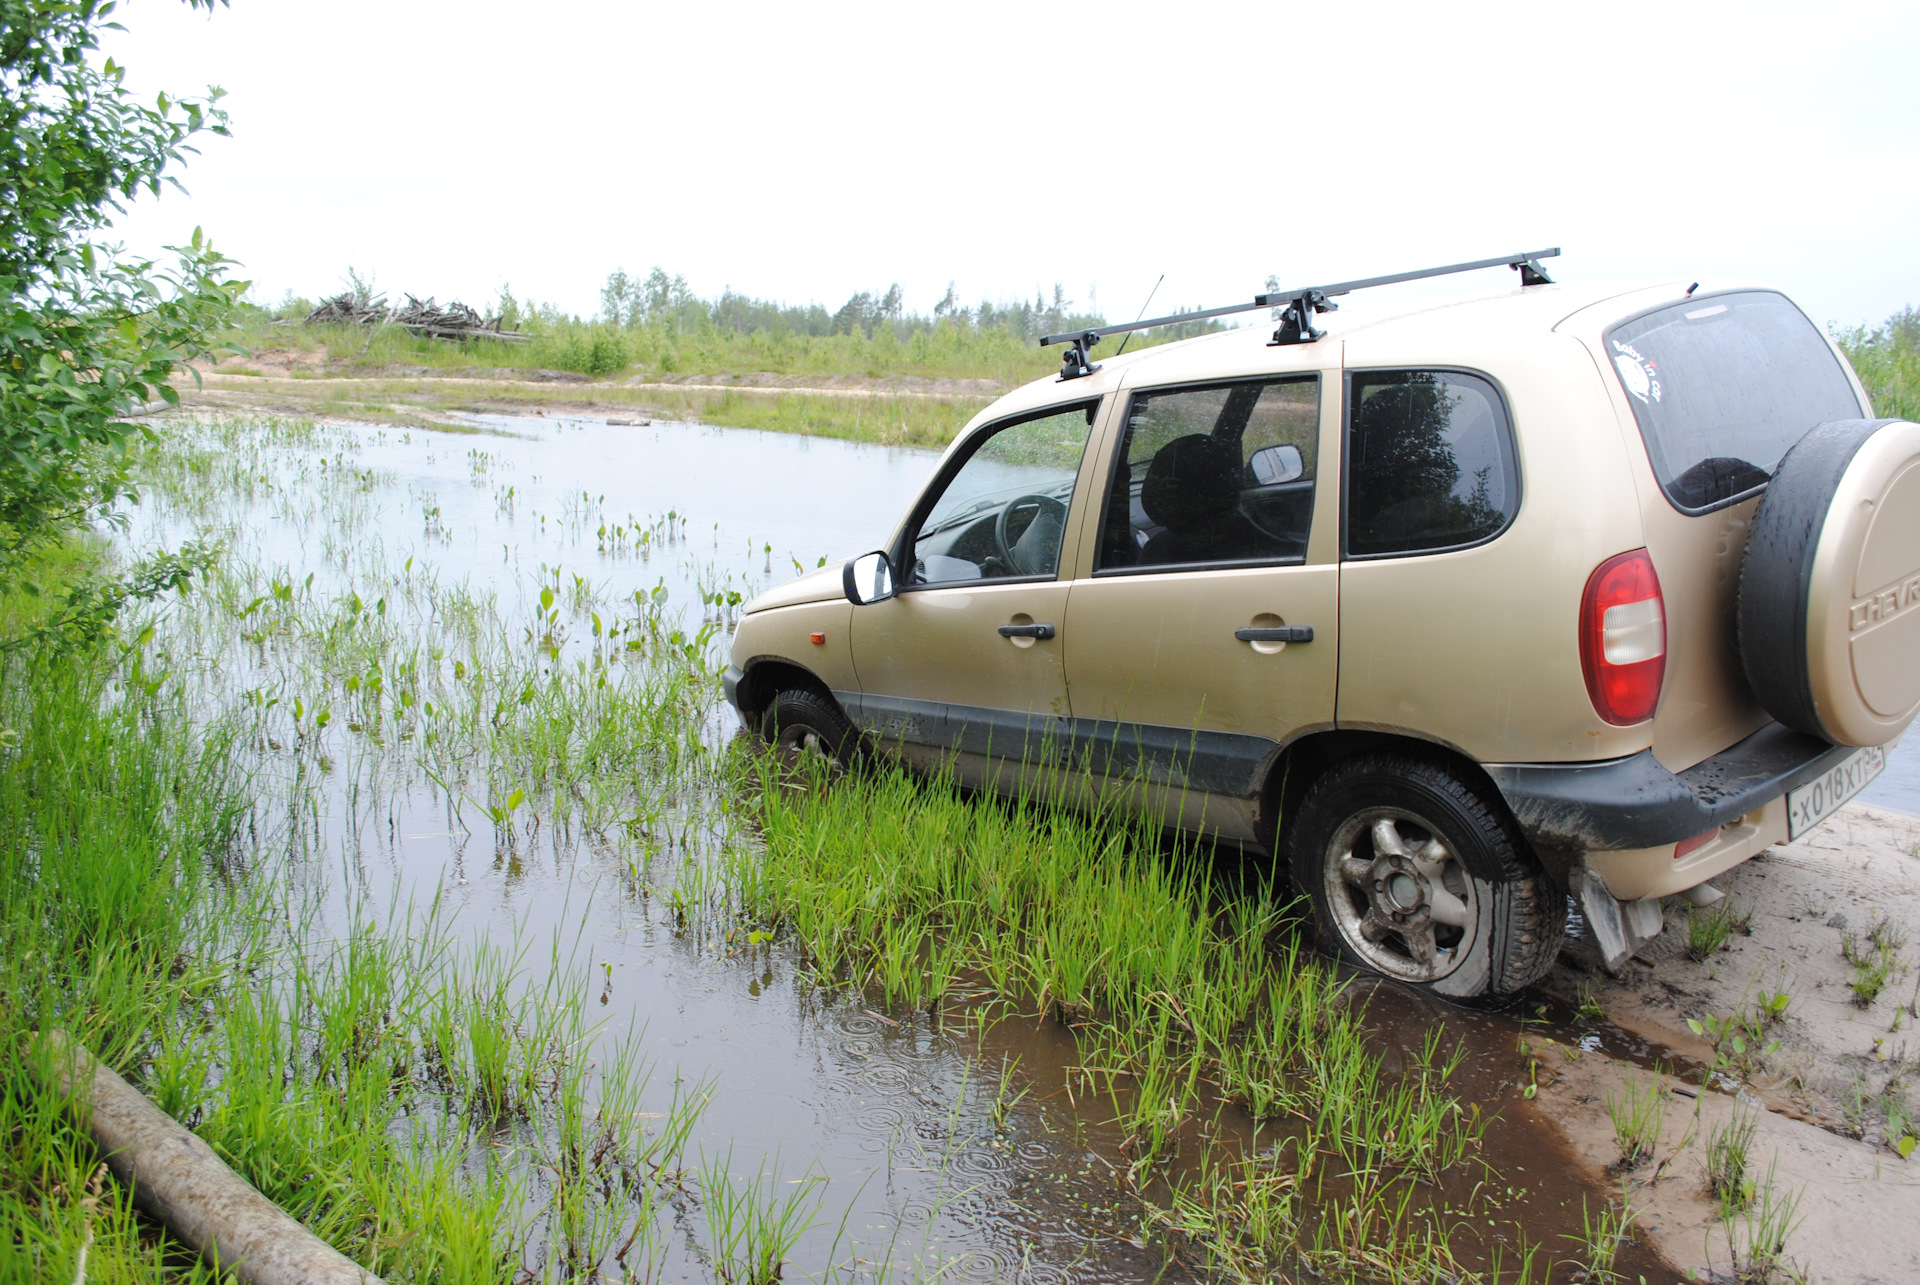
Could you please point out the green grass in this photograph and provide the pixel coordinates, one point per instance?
(1876, 961)
(1758, 1232)
(1729, 1159)
(601, 349)
(1709, 928)
(1183, 993)
(1887, 359)
(1638, 1113)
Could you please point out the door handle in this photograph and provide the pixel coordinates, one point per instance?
(1279, 633)
(1042, 632)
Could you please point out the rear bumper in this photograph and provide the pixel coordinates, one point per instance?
(1567, 809)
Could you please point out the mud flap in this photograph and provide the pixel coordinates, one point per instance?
(1617, 929)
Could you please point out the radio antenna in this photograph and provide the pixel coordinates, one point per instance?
(1143, 312)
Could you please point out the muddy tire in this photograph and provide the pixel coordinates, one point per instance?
(802, 724)
(1417, 875)
(1829, 605)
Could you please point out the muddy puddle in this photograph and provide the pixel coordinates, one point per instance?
(918, 1145)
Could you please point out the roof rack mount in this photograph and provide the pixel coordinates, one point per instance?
(1302, 305)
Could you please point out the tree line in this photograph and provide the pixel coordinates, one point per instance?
(658, 299)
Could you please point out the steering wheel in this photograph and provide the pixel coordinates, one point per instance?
(1004, 541)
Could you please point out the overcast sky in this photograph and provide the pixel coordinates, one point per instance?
(804, 152)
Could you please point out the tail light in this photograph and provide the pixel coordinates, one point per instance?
(1623, 638)
(1694, 844)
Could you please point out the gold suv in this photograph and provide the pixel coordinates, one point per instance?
(1573, 595)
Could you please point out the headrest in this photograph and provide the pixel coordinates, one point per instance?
(1192, 480)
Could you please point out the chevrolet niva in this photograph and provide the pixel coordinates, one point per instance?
(1575, 595)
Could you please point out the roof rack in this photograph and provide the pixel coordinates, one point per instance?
(1301, 304)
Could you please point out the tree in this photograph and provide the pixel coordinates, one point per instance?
(87, 334)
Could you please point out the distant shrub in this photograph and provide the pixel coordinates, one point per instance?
(1887, 359)
(586, 349)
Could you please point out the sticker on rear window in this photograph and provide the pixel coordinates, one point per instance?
(1640, 375)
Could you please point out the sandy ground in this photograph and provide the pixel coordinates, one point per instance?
(1821, 1100)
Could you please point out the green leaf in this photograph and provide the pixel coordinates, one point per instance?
(1906, 1145)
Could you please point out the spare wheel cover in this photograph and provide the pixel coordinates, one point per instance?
(1829, 607)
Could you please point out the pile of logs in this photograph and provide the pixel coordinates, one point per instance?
(455, 321)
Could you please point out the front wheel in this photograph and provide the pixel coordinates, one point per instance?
(1417, 875)
(804, 725)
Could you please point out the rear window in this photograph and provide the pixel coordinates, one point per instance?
(1723, 385)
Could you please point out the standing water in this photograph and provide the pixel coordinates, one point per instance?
(472, 677)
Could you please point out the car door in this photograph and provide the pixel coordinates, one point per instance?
(1206, 636)
(963, 663)
(1431, 482)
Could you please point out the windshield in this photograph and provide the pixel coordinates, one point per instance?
(1723, 386)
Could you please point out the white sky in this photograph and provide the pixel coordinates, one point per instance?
(804, 152)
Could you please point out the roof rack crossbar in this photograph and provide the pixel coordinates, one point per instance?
(1525, 261)
(1302, 304)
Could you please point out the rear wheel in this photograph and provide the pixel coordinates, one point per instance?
(806, 725)
(1417, 875)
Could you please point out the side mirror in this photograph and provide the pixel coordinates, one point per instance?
(868, 578)
(1272, 465)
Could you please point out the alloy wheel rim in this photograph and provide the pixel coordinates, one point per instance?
(1400, 895)
(804, 742)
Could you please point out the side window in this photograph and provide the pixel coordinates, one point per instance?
(1003, 514)
(1213, 475)
(1430, 462)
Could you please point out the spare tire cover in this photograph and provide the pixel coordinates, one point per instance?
(1829, 603)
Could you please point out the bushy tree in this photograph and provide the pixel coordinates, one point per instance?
(87, 333)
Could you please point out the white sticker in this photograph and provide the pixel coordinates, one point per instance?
(1639, 375)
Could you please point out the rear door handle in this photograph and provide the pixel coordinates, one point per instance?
(1042, 632)
(1278, 633)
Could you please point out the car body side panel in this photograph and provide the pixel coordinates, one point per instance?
(785, 633)
(1478, 649)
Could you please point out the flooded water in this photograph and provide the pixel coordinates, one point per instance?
(930, 1148)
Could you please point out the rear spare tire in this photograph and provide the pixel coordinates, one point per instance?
(1829, 603)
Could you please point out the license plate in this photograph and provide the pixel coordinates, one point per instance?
(1817, 800)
